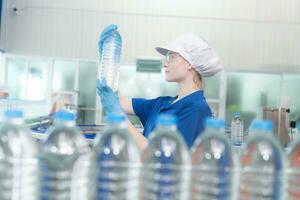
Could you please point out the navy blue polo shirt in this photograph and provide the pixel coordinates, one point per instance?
(191, 112)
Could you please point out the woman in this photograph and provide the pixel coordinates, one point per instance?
(188, 59)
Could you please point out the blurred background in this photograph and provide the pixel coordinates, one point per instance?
(49, 51)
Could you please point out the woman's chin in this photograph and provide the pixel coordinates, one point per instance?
(168, 79)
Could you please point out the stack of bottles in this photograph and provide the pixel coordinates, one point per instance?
(117, 162)
(261, 164)
(64, 167)
(212, 163)
(64, 161)
(19, 177)
(166, 163)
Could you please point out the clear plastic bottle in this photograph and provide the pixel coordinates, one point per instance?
(110, 45)
(293, 189)
(260, 126)
(65, 161)
(19, 177)
(261, 164)
(237, 130)
(166, 163)
(212, 164)
(117, 162)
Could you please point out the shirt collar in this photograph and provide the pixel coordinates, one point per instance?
(195, 96)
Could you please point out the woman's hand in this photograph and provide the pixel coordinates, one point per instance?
(109, 98)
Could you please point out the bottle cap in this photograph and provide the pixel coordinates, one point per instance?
(166, 119)
(214, 123)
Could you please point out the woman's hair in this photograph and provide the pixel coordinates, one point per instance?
(197, 78)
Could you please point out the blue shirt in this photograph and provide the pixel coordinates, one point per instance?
(191, 112)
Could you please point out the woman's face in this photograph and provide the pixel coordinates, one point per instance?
(176, 67)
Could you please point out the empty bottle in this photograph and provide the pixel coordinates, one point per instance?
(110, 45)
(212, 163)
(117, 162)
(166, 163)
(293, 189)
(19, 177)
(237, 130)
(65, 161)
(261, 164)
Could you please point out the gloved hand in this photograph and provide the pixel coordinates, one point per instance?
(109, 99)
(105, 33)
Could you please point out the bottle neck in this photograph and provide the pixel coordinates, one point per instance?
(168, 128)
(16, 121)
(65, 123)
(214, 130)
(118, 125)
(263, 132)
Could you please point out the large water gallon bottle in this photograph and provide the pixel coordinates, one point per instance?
(212, 163)
(261, 164)
(65, 161)
(260, 126)
(237, 130)
(19, 177)
(166, 163)
(293, 171)
(110, 45)
(117, 162)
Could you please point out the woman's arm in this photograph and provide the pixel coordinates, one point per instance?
(126, 104)
(141, 141)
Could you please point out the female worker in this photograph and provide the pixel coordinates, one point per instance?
(188, 59)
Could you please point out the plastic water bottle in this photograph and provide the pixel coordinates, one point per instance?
(19, 177)
(166, 163)
(237, 130)
(110, 45)
(117, 162)
(261, 164)
(65, 161)
(212, 164)
(293, 189)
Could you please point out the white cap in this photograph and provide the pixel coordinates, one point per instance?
(196, 51)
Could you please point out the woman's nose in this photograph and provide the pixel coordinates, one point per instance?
(165, 64)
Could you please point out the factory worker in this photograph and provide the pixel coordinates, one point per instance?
(188, 59)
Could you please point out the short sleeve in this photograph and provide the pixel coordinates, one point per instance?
(191, 123)
(142, 107)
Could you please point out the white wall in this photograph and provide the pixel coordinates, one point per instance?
(248, 34)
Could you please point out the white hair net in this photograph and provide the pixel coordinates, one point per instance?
(196, 51)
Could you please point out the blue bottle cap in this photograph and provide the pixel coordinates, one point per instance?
(214, 123)
(115, 118)
(64, 116)
(238, 114)
(261, 125)
(13, 114)
(166, 119)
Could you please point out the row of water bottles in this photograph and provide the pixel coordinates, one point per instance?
(64, 167)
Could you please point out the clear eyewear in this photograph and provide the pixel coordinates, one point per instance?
(172, 57)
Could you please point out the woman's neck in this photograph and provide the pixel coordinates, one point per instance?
(186, 88)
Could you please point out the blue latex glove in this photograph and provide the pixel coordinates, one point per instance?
(105, 34)
(109, 99)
